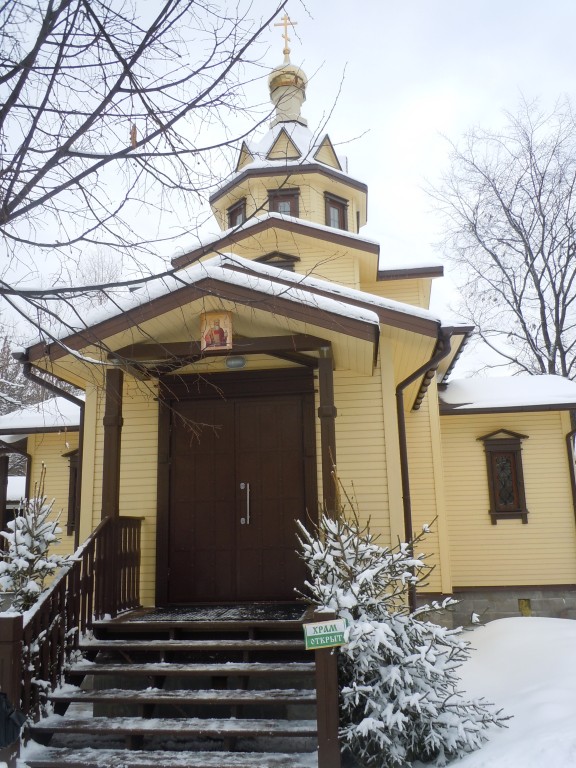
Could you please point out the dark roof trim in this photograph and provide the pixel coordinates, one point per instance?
(406, 273)
(37, 430)
(208, 287)
(464, 333)
(337, 237)
(457, 410)
(287, 171)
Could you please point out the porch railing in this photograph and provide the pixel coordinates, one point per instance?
(101, 579)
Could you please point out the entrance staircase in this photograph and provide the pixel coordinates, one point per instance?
(214, 693)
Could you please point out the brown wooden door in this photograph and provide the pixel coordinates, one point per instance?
(237, 487)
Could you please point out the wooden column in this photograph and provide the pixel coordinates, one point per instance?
(112, 439)
(327, 704)
(111, 487)
(4, 458)
(327, 416)
(11, 635)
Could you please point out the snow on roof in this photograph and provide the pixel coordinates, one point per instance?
(306, 281)
(498, 392)
(16, 488)
(54, 413)
(253, 221)
(268, 280)
(306, 142)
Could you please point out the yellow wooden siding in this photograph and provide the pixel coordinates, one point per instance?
(47, 449)
(361, 447)
(311, 204)
(423, 472)
(138, 476)
(415, 291)
(510, 553)
(139, 473)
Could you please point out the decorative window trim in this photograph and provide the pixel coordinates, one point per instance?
(333, 202)
(236, 214)
(505, 445)
(279, 260)
(290, 196)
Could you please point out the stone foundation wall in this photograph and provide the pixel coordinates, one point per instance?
(491, 604)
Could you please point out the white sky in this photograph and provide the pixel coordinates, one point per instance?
(414, 73)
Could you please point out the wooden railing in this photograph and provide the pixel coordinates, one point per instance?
(101, 579)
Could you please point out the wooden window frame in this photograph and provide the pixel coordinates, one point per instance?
(341, 205)
(234, 211)
(510, 446)
(291, 196)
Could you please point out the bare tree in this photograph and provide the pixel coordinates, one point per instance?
(510, 206)
(108, 106)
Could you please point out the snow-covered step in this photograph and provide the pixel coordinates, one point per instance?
(111, 758)
(166, 669)
(208, 696)
(179, 727)
(193, 645)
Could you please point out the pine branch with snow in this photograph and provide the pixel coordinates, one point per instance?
(27, 563)
(399, 674)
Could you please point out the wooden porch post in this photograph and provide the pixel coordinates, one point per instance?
(112, 435)
(4, 458)
(327, 415)
(327, 704)
(11, 634)
(111, 487)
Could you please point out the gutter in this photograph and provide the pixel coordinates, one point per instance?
(570, 450)
(73, 526)
(441, 351)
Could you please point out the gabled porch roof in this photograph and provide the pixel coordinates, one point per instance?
(266, 302)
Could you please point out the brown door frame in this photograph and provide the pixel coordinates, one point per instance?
(268, 383)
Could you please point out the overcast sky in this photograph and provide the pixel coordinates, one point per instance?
(414, 73)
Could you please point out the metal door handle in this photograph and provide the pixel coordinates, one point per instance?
(246, 487)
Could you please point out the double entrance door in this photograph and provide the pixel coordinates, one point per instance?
(239, 473)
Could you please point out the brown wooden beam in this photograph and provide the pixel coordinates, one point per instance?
(266, 345)
(327, 415)
(112, 436)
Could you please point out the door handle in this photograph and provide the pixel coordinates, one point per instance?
(246, 487)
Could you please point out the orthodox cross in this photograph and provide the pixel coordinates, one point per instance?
(285, 22)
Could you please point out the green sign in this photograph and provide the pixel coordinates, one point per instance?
(324, 634)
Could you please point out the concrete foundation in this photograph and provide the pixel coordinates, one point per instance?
(499, 603)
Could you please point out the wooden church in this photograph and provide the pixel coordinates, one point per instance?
(222, 401)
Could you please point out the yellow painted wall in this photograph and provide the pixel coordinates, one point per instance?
(427, 487)
(361, 449)
(415, 291)
(47, 449)
(510, 553)
(311, 202)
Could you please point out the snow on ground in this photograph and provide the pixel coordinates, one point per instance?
(527, 667)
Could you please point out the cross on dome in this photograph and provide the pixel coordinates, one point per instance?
(285, 22)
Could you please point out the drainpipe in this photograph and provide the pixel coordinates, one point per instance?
(570, 449)
(442, 349)
(55, 389)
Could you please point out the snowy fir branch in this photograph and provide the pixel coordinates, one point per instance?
(399, 697)
(26, 563)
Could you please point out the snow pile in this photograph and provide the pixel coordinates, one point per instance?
(527, 665)
(400, 698)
